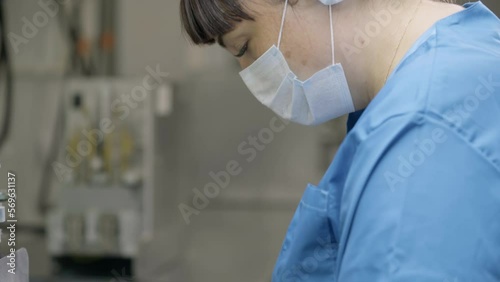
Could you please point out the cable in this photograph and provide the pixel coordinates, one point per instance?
(70, 23)
(5, 60)
(57, 139)
(69, 26)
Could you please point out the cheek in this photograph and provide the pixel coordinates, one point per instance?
(299, 61)
(255, 51)
(245, 63)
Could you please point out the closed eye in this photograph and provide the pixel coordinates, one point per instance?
(243, 50)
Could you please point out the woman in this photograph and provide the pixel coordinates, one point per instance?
(414, 191)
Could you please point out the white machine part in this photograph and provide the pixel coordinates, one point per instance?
(108, 215)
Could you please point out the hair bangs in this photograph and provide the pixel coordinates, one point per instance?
(207, 20)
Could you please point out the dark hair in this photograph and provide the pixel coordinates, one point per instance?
(206, 21)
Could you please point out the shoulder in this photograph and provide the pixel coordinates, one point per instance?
(429, 90)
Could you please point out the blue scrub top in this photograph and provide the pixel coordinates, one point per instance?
(413, 194)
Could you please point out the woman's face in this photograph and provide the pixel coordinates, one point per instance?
(306, 35)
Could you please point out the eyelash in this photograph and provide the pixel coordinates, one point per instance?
(243, 50)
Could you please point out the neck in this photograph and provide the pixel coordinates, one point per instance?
(370, 42)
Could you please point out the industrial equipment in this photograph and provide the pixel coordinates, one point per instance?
(103, 207)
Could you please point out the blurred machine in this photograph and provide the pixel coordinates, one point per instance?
(103, 204)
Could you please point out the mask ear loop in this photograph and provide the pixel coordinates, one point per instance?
(331, 34)
(282, 23)
(331, 30)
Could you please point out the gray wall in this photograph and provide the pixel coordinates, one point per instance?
(494, 5)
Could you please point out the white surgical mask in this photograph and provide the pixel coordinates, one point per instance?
(322, 97)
